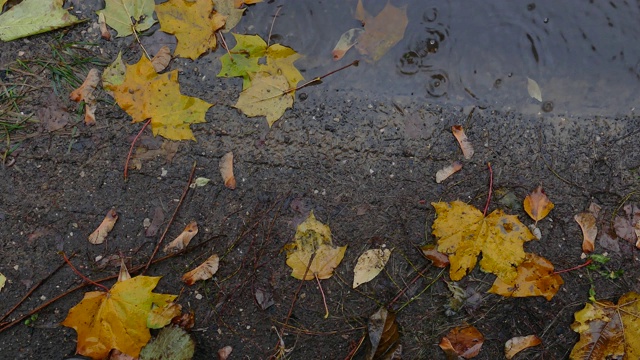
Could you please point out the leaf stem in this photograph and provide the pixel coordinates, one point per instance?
(273, 22)
(86, 279)
(586, 263)
(126, 163)
(319, 78)
(324, 299)
(486, 207)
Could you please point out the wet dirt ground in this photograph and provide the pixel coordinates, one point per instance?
(364, 161)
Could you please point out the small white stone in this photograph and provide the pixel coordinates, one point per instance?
(16, 267)
(43, 298)
(98, 258)
(199, 296)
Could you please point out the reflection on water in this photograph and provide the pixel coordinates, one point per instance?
(583, 55)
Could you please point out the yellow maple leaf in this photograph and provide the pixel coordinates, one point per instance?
(280, 60)
(313, 238)
(535, 278)
(193, 22)
(608, 331)
(463, 233)
(145, 94)
(267, 96)
(118, 319)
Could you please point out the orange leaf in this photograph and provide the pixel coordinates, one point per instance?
(537, 204)
(535, 278)
(85, 93)
(100, 234)
(465, 143)
(465, 341)
(226, 170)
(587, 222)
(517, 344)
(437, 258)
(183, 240)
(117, 319)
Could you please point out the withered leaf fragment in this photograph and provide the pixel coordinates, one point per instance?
(462, 341)
(587, 222)
(437, 258)
(447, 171)
(183, 240)
(162, 59)
(100, 234)
(537, 204)
(226, 170)
(514, 345)
(383, 336)
(465, 143)
(204, 271)
(85, 93)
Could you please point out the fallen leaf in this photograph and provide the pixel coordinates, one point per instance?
(185, 321)
(280, 61)
(587, 222)
(145, 94)
(537, 204)
(162, 59)
(167, 150)
(264, 298)
(162, 315)
(348, 39)
(85, 93)
(313, 239)
(608, 331)
(517, 344)
(465, 143)
(266, 96)
(156, 221)
(463, 233)
(100, 234)
(226, 170)
(183, 240)
(535, 231)
(116, 354)
(31, 17)
(172, 343)
(243, 59)
(369, 265)
(447, 171)
(127, 16)
(116, 319)
(239, 3)
(199, 182)
(628, 227)
(232, 14)
(464, 341)
(193, 22)
(383, 336)
(114, 74)
(534, 89)
(535, 277)
(52, 115)
(104, 31)
(204, 271)
(437, 258)
(382, 32)
(3, 281)
(223, 354)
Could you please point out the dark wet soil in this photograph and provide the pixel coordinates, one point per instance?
(363, 162)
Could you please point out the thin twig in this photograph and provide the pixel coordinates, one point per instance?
(404, 290)
(173, 217)
(324, 299)
(34, 288)
(273, 22)
(86, 279)
(586, 263)
(126, 163)
(486, 207)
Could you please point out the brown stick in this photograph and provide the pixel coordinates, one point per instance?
(173, 217)
(126, 163)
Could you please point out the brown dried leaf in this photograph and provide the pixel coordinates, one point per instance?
(185, 321)
(517, 344)
(223, 354)
(85, 93)
(162, 59)
(437, 258)
(226, 170)
(537, 204)
(587, 222)
(100, 234)
(465, 143)
(464, 341)
(52, 115)
(384, 337)
(445, 172)
(204, 271)
(104, 31)
(156, 222)
(183, 240)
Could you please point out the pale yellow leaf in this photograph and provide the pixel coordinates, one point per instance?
(204, 271)
(182, 240)
(100, 234)
(369, 265)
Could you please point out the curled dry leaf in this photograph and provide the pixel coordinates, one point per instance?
(465, 143)
(162, 59)
(185, 320)
(204, 271)
(223, 354)
(100, 234)
(346, 42)
(226, 170)
(463, 341)
(437, 258)
(85, 93)
(445, 172)
(628, 227)
(519, 343)
(183, 240)
(104, 31)
(369, 265)
(587, 222)
(156, 222)
(384, 337)
(534, 89)
(537, 204)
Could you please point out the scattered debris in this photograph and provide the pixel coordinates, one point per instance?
(462, 341)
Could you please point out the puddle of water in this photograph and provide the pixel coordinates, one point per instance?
(583, 55)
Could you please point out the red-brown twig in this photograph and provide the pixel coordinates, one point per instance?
(319, 78)
(586, 263)
(86, 279)
(173, 217)
(133, 143)
(34, 288)
(6, 326)
(404, 290)
(486, 207)
(324, 299)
